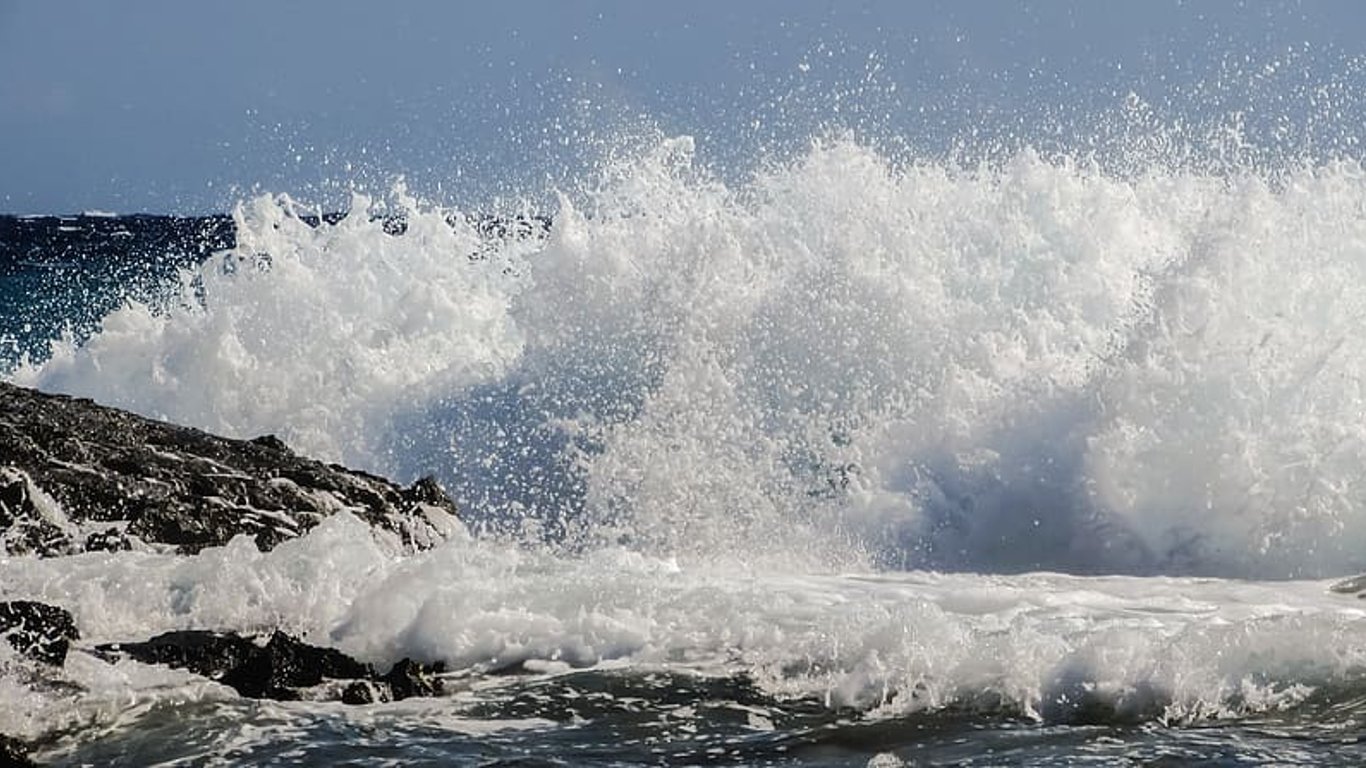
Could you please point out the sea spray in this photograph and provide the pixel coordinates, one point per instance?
(318, 333)
(847, 358)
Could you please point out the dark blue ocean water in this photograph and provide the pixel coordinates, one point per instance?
(61, 274)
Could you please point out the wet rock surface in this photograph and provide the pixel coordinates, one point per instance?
(39, 631)
(283, 669)
(77, 476)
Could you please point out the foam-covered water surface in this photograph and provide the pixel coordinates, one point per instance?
(566, 645)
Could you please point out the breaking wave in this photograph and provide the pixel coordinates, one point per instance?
(846, 359)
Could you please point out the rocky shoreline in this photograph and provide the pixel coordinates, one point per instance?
(76, 476)
(79, 477)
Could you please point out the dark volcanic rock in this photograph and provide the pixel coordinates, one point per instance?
(210, 654)
(65, 461)
(408, 678)
(13, 754)
(273, 671)
(286, 664)
(365, 692)
(282, 669)
(405, 680)
(110, 540)
(43, 632)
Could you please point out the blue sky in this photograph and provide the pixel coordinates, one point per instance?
(172, 106)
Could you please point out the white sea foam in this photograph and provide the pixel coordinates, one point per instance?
(318, 333)
(842, 361)
(1177, 648)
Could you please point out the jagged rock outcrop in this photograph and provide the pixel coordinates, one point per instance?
(39, 631)
(284, 669)
(76, 476)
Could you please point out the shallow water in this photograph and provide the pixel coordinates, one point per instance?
(642, 735)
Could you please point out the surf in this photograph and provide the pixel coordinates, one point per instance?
(845, 360)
